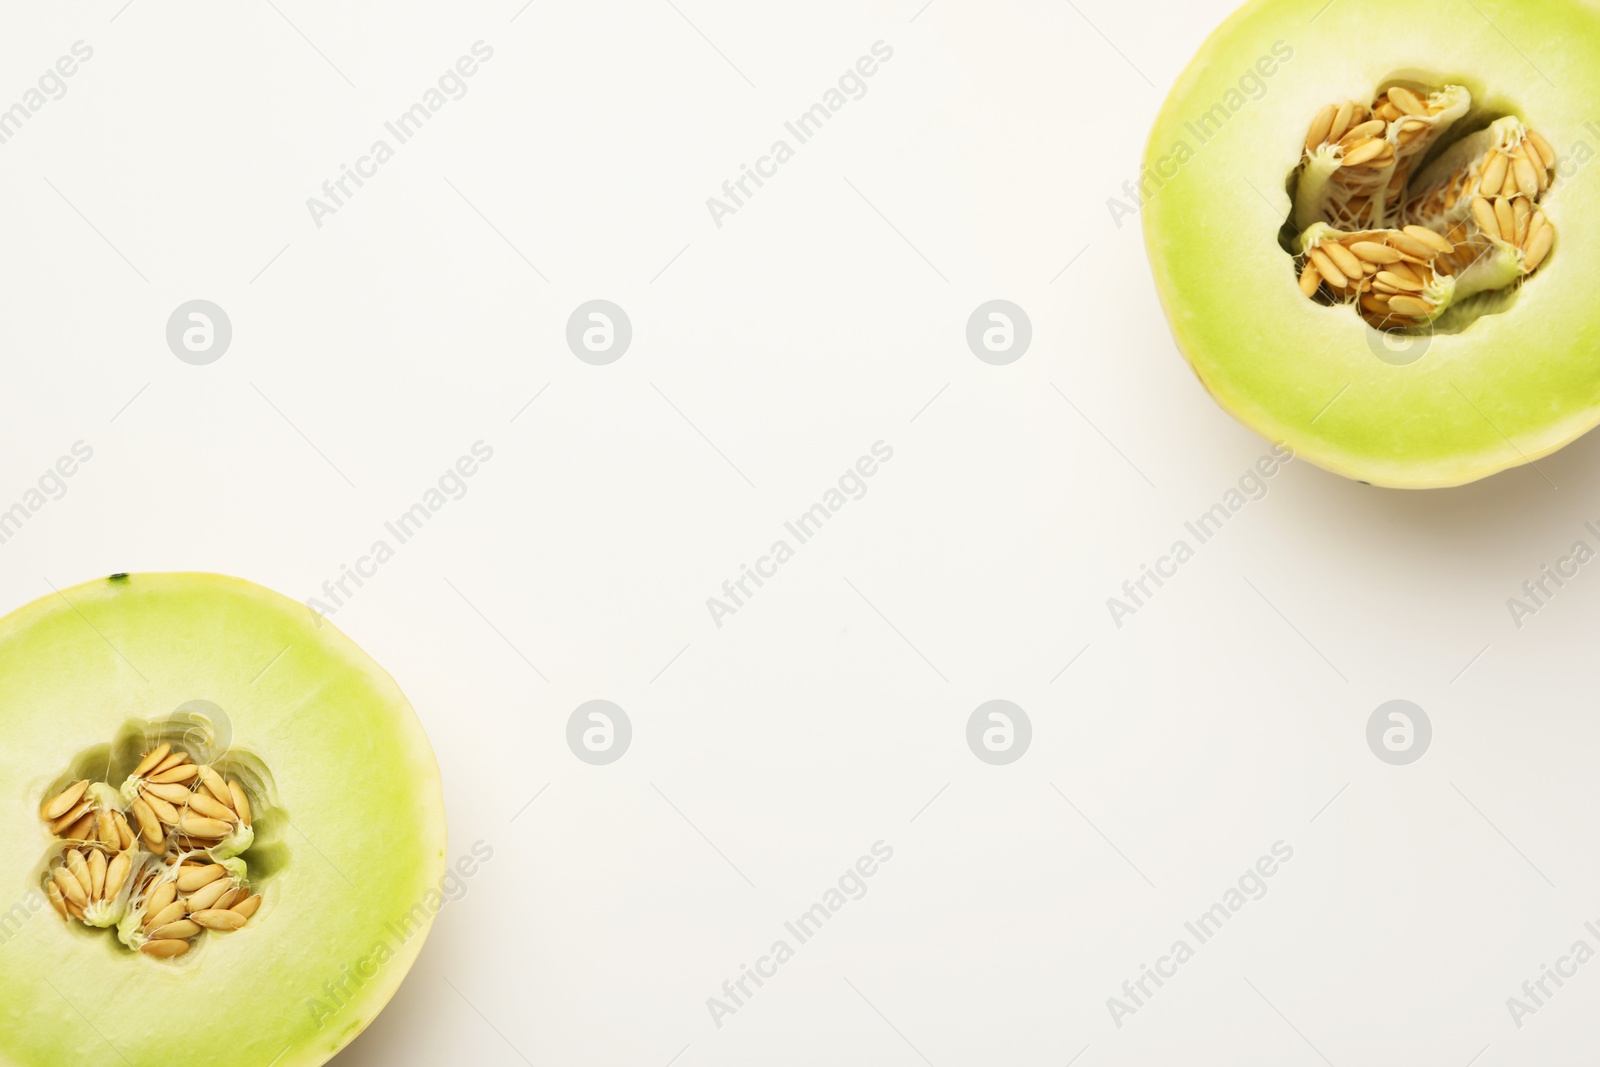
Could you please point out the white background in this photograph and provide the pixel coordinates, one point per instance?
(830, 712)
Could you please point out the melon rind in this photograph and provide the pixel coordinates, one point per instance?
(1510, 388)
(357, 796)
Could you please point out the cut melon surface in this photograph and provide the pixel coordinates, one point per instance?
(1438, 404)
(348, 844)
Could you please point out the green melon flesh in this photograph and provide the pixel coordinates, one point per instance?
(357, 815)
(1509, 388)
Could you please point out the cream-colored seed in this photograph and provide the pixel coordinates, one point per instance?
(248, 907)
(64, 801)
(152, 759)
(185, 772)
(1547, 155)
(1363, 151)
(233, 896)
(183, 928)
(164, 950)
(218, 919)
(203, 828)
(97, 875)
(1539, 246)
(1328, 269)
(193, 878)
(1408, 272)
(207, 896)
(202, 804)
(1527, 180)
(1344, 259)
(1361, 132)
(214, 782)
(70, 887)
(1320, 127)
(58, 901)
(172, 794)
(1407, 101)
(1373, 252)
(117, 874)
(1410, 305)
(163, 810)
(1483, 213)
(175, 759)
(169, 914)
(80, 870)
(162, 896)
(1429, 238)
(241, 802)
(1310, 281)
(1505, 219)
(125, 838)
(1394, 281)
(72, 817)
(1341, 120)
(1411, 246)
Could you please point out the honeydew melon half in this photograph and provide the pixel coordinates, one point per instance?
(345, 844)
(1500, 379)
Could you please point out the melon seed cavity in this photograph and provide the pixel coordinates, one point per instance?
(1398, 221)
(157, 859)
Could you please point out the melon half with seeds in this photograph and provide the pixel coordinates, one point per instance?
(1373, 230)
(223, 834)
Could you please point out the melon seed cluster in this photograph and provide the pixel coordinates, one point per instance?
(168, 875)
(1404, 247)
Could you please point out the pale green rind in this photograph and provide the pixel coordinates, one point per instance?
(1510, 388)
(354, 775)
